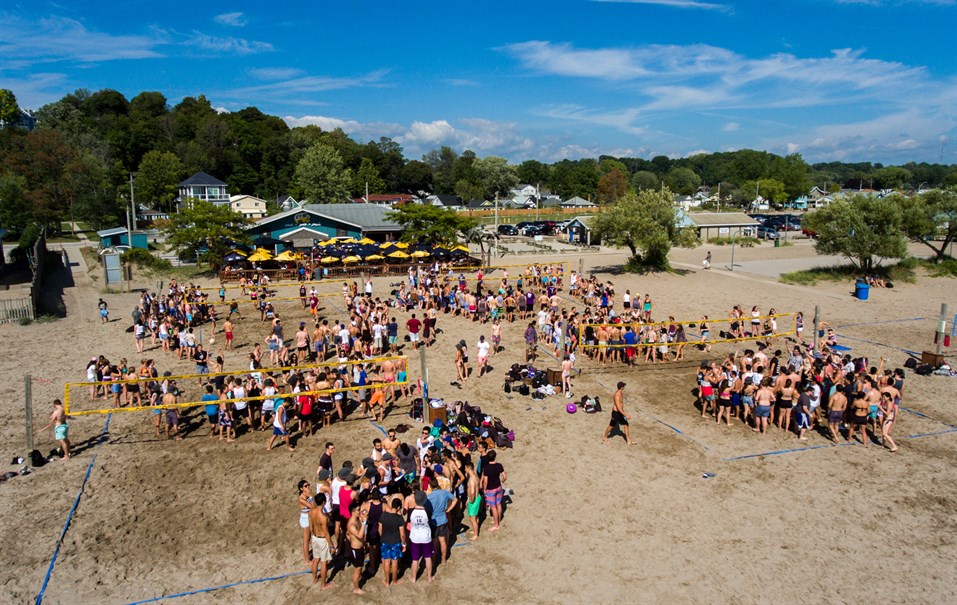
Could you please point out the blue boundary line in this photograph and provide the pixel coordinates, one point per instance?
(832, 445)
(221, 587)
(69, 517)
(923, 415)
(880, 344)
(384, 432)
(659, 421)
(875, 323)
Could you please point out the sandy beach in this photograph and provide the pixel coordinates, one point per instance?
(588, 522)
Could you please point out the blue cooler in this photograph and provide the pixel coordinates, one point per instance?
(861, 289)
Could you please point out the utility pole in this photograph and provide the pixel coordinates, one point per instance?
(133, 206)
(817, 322)
(28, 406)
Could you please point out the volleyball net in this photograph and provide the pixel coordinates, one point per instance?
(719, 330)
(135, 395)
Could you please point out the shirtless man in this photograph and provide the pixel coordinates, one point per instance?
(496, 336)
(391, 442)
(837, 404)
(619, 419)
(61, 430)
(172, 416)
(473, 500)
(567, 366)
(356, 534)
(602, 334)
(321, 541)
(763, 399)
(228, 329)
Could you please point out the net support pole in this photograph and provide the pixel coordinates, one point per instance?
(941, 327)
(28, 408)
(425, 374)
(817, 322)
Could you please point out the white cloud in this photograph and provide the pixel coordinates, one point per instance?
(231, 19)
(26, 43)
(461, 82)
(275, 73)
(563, 60)
(674, 4)
(429, 133)
(228, 44)
(730, 127)
(298, 91)
(793, 148)
(622, 119)
(36, 90)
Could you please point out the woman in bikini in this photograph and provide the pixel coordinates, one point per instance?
(787, 395)
(889, 411)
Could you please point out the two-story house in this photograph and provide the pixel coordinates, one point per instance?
(202, 186)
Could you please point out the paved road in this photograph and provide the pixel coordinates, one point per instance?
(774, 268)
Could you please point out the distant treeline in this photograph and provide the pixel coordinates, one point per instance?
(76, 163)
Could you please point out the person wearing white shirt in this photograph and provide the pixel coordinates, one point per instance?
(482, 347)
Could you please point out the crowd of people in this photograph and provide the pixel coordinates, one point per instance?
(403, 508)
(799, 393)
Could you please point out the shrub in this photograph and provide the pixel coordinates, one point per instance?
(744, 242)
(145, 259)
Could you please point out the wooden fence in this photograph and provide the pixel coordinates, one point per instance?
(16, 309)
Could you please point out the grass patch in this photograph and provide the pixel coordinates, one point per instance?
(145, 260)
(809, 277)
(744, 242)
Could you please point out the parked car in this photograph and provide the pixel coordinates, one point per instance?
(767, 232)
(808, 232)
(532, 231)
(507, 230)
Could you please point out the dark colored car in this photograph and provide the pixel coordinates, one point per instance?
(507, 230)
(767, 232)
(532, 231)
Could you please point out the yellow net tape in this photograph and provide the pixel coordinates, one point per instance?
(199, 377)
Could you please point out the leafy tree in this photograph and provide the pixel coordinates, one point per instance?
(157, 179)
(15, 209)
(321, 176)
(891, 177)
(206, 230)
(9, 110)
(683, 180)
(469, 191)
(931, 219)
(367, 179)
(644, 179)
(606, 165)
(769, 189)
(92, 195)
(495, 175)
(612, 186)
(429, 224)
(793, 172)
(645, 223)
(415, 176)
(861, 228)
(442, 163)
(533, 172)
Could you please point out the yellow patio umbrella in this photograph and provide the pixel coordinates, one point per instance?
(288, 255)
(260, 256)
(263, 250)
(239, 252)
(398, 254)
(386, 244)
(327, 242)
(366, 240)
(328, 260)
(461, 247)
(420, 254)
(402, 245)
(348, 240)
(351, 259)
(375, 257)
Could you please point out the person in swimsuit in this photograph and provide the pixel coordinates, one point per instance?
(320, 540)
(762, 411)
(306, 504)
(619, 419)
(837, 405)
(473, 502)
(356, 534)
(889, 411)
(860, 412)
(61, 428)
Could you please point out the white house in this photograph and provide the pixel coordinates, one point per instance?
(248, 205)
(202, 186)
(524, 191)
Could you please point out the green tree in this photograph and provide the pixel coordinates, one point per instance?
(469, 191)
(367, 179)
(612, 186)
(793, 172)
(683, 180)
(495, 175)
(534, 172)
(206, 231)
(321, 177)
(428, 224)
(645, 223)
(769, 189)
(16, 211)
(891, 177)
(157, 178)
(414, 177)
(931, 219)
(861, 228)
(644, 179)
(9, 110)
(442, 163)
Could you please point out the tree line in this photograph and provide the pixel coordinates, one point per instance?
(76, 164)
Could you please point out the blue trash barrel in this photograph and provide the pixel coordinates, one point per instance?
(861, 289)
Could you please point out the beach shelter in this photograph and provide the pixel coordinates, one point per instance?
(259, 256)
(401, 245)
(328, 260)
(461, 248)
(239, 252)
(375, 257)
(351, 259)
(366, 240)
(288, 255)
(420, 254)
(398, 254)
(387, 244)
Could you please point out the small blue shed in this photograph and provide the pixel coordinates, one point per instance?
(118, 237)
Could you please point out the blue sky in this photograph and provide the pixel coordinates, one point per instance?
(850, 80)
